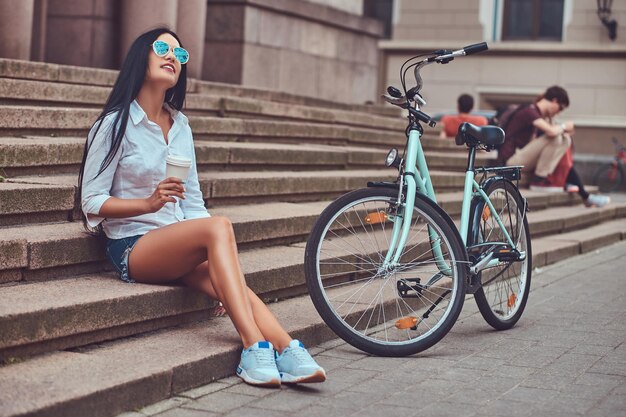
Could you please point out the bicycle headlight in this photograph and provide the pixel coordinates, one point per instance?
(392, 158)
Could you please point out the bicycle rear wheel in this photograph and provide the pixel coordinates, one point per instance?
(505, 287)
(394, 311)
(609, 177)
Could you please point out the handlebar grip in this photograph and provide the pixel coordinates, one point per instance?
(475, 48)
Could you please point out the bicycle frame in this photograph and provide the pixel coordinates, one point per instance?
(418, 180)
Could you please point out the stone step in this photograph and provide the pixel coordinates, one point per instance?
(68, 74)
(46, 251)
(40, 199)
(241, 107)
(133, 372)
(230, 90)
(48, 156)
(40, 93)
(24, 121)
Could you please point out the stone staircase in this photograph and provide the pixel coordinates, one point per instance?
(76, 341)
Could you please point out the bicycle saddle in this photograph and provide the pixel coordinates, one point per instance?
(475, 135)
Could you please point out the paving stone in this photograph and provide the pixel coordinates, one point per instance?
(204, 390)
(164, 405)
(379, 364)
(608, 368)
(329, 363)
(287, 400)
(529, 395)
(569, 403)
(544, 380)
(247, 411)
(387, 387)
(446, 409)
(510, 371)
(377, 410)
(571, 364)
(246, 389)
(344, 351)
(350, 399)
(614, 403)
(507, 408)
(480, 363)
(187, 412)
(220, 402)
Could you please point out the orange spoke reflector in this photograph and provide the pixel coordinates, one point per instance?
(511, 302)
(375, 218)
(406, 323)
(486, 213)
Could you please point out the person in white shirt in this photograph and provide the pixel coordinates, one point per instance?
(157, 229)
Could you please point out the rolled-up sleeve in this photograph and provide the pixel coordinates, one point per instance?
(193, 204)
(96, 190)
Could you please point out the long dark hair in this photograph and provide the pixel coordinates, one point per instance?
(125, 90)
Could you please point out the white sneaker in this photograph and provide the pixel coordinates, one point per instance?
(258, 365)
(597, 200)
(296, 365)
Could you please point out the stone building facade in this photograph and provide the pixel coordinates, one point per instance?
(319, 48)
(589, 65)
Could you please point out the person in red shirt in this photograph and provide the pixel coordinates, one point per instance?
(450, 123)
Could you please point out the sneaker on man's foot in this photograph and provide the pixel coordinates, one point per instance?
(571, 188)
(296, 365)
(258, 365)
(542, 184)
(597, 200)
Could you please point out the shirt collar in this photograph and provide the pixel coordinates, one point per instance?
(137, 114)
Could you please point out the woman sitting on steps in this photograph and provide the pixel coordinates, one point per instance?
(158, 230)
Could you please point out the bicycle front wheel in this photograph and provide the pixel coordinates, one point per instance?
(387, 310)
(609, 177)
(504, 287)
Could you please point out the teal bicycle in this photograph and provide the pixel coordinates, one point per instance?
(387, 268)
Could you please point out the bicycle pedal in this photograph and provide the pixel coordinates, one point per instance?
(407, 323)
(507, 255)
(410, 287)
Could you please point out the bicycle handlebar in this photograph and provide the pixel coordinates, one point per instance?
(476, 48)
(443, 56)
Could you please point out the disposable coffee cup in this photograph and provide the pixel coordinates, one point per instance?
(177, 166)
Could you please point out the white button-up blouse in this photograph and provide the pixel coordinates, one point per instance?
(136, 170)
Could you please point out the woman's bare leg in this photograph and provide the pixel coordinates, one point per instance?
(266, 321)
(176, 250)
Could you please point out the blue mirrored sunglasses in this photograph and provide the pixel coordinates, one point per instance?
(161, 48)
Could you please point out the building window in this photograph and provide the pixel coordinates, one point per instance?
(533, 20)
(381, 10)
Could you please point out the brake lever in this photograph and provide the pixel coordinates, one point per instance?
(396, 101)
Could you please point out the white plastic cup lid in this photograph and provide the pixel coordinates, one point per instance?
(178, 161)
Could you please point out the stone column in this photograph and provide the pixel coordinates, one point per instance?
(191, 26)
(139, 16)
(16, 28)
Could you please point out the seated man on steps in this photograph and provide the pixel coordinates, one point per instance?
(541, 154)
(450, 123)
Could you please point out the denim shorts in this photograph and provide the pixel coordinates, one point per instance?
(118, 251)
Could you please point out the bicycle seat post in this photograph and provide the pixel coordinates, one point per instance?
(471, 158)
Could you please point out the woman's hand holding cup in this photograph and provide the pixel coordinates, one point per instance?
(164, 193)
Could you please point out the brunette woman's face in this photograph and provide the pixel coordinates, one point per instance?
(166, 69)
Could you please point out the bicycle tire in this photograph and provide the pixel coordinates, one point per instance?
(343, 257)
(498, 298)
(609, 178)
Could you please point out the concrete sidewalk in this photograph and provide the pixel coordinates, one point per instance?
(566, 357)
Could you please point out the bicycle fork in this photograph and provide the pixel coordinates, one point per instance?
(402, 223)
